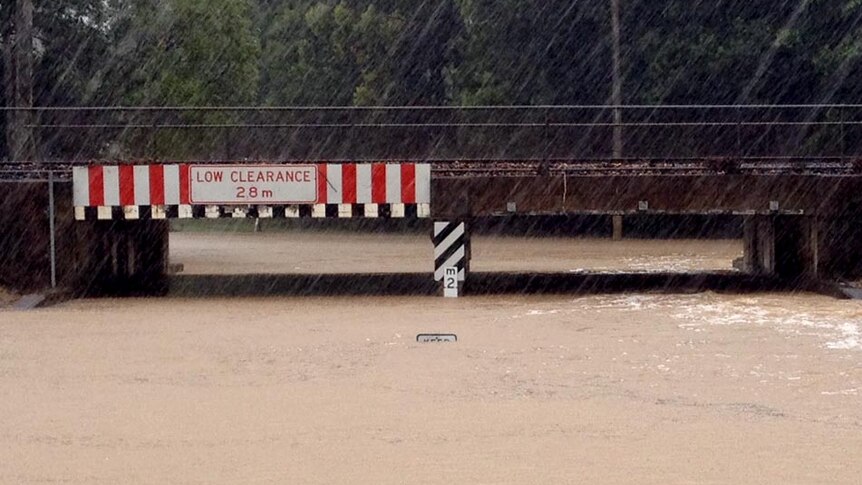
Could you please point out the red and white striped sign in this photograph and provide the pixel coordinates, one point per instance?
(155, 185)
(374, 183)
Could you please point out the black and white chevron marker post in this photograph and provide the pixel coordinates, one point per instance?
(451, 254)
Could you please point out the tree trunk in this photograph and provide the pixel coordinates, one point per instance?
(617, 89)
(6, 84)
(18, 81)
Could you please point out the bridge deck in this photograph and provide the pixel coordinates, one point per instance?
(806, 186)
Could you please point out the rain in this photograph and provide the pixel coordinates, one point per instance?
(430, 241)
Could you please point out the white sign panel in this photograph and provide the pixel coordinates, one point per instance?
(253, 184)
(450, 282)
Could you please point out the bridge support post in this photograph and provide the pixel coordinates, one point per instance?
(789, 247)
(838, 241)
(796, 248)
(759, 245)
(617, 221)
(123, 257)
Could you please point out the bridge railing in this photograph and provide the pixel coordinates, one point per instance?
(528, 133)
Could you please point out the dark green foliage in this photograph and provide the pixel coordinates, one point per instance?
(439, 52)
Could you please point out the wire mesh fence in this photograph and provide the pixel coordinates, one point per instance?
(441, 133)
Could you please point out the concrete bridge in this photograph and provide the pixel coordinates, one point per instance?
(106, 221)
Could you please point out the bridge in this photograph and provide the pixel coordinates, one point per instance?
(89, 205)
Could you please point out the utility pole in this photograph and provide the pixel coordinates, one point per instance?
(18, 81)
(617, 89)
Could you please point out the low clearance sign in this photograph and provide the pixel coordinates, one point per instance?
(253, 184)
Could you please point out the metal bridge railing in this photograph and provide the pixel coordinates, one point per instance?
(442, 133)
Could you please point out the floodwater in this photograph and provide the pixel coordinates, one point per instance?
(622, 388)
(338, 252)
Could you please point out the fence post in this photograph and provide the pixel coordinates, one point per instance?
(52, 228)
(545, 167)
(739, 133)
(843, 136)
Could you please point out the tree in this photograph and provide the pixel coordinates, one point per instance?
(67, 51)
(417, 51)
(183, 53)
(321, 54)
(307, 56)
(18, 79)
(402, 52)
(553, 52)
(187, 52)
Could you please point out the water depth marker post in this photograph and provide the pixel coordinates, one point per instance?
(450, 282)
(451, 254)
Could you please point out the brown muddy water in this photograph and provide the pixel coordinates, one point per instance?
(310, 252)
(614, 388)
